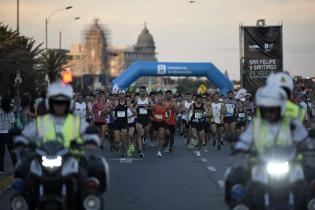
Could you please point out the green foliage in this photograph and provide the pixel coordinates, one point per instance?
(18, 53)
(52, 62)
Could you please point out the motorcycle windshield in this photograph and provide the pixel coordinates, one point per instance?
(52, 148)
(279, 154)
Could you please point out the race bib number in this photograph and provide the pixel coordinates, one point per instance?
(158, 116)
(230, 109)
(241, 115)
(198, 115)
(143, 111)
(121, 114)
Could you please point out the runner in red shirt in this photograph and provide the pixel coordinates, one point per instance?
(100, 111)
(170, 121)
(158, 122)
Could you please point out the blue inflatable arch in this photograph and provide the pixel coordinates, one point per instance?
(144, 68)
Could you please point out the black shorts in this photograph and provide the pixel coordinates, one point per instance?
(230, 119)
(199, 126)
(111, 126)
(157, 125)
(132, 125)
(99, 124)
(121, 125)
(170, 127)
(219, 125)
(144, 121)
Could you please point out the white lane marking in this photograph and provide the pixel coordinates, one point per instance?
(221, 183)
(204, 160)
(211, 168)
(124, 160)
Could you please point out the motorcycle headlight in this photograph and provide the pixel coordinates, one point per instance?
(51, 162)
(277, 168)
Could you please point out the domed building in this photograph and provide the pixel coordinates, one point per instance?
(122, 57)
(145, 42)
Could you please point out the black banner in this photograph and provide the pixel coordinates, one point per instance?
(262, 54)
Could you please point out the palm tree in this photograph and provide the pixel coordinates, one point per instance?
(52, 61)
(17, 54)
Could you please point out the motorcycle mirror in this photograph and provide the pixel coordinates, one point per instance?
(311, 133)
(231, 137)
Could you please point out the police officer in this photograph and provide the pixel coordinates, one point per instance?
(59, 121)
(270, 127)
(285, 81)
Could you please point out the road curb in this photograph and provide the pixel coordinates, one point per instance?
(5, 183)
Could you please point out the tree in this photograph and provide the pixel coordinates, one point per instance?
(17, 54)
(52, 62)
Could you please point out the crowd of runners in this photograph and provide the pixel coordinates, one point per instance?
(130, 121)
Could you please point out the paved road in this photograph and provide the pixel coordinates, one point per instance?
(177, 181)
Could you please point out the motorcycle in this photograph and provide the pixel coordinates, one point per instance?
(273, 180)
(56, 181)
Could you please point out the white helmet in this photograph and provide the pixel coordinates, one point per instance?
(122, 91)
(61, 92)
(271, 96)
(281, 79)
(241, 93)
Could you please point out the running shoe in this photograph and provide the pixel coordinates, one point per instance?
(205, 149)
(198, 154)
(190, 146)
(159, 154)
(131, 149)
(222, 142)
(141, 155)
(122, 158)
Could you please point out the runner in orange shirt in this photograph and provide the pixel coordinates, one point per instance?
(158, 122)
(170, 121)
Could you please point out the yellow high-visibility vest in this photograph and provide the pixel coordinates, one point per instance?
(263, 138)
(294, 111)
(71, 129)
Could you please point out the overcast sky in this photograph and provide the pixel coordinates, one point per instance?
(205, 31)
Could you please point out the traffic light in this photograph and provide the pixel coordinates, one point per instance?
(66, 76)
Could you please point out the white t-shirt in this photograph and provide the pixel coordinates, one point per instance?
(131, 117)
(216, 112)
(80, 109)
(187, 105)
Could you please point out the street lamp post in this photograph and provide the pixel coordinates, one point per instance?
(47, 21)
(60, 32)
(46, 34)
(18, 16)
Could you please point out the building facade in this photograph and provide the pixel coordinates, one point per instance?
(95, 57)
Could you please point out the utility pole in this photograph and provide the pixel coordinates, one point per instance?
(60, 34)
(18, 16)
